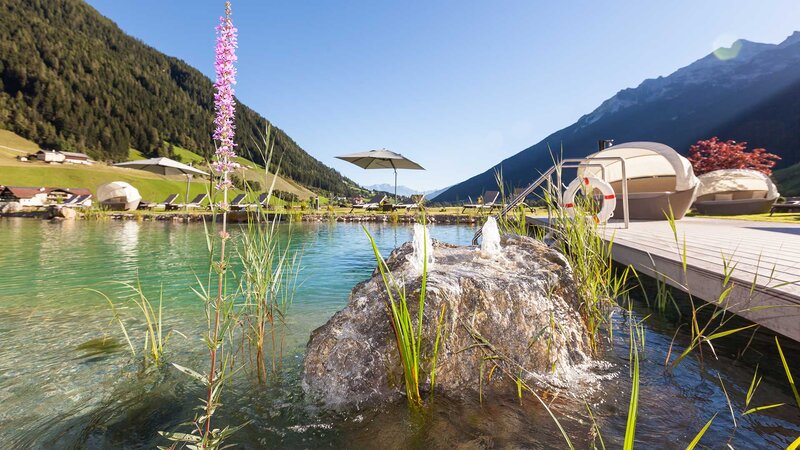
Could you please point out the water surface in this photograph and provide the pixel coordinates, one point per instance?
(67, 378)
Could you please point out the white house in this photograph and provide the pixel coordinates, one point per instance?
(50, 156)
(76, 158)
(25, 196)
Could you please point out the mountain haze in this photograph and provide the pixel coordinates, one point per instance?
(404, 190)
(70, 79)
(749, 92)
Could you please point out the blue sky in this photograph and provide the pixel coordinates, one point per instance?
(455, 85)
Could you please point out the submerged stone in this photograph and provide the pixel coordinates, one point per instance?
(517, 309)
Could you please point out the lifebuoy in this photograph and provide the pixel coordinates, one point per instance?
(590, 184)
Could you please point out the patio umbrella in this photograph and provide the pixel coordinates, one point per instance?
(164, 166)
(382, 159)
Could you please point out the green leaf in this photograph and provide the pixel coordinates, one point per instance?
(633, 407)
(761, 408)
(700, 434)
(788, 373)
(203, 380)
(728, 332)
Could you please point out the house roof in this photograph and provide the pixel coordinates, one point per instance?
(73, 191)
(23, 191)
(28, 192)
(75, 155)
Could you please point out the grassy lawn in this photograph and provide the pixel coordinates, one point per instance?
(252, 172)
(188, 157)
(152, 187)
(13, 144)
(135, 155)
(777, 217)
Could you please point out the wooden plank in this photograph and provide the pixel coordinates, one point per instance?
(766, 257)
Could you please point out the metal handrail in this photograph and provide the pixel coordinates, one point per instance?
(570, 163)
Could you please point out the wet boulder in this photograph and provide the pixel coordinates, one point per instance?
(11, 207)
(65, 213)
(517, 309)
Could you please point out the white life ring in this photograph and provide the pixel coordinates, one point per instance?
(590, 184)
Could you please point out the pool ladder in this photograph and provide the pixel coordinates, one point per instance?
(557, 169)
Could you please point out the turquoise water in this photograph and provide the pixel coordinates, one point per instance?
(67, 379)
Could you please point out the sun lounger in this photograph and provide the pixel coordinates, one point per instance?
(491, 200)
(238, 202)
(195, 203)
(417, 200)
(150, 205)
(792, 204)
(373, 204)
(263, 201)
(77, 201)
(517, 193)
(71, 200)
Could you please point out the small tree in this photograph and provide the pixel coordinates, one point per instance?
(712, 154)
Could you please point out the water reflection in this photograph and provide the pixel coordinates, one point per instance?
(65, 380)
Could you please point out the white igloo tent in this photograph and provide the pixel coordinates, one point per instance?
(658, 178)
(730, 192)
(118, 196)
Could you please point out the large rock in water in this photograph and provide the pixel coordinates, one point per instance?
(523, 302)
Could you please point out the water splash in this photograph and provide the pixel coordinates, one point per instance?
(490, 244)
(422, 246)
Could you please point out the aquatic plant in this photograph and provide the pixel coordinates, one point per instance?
(788, 373)
(409, 339)
(578, 238)
(219, 306)
(155, 339)
(268, 280)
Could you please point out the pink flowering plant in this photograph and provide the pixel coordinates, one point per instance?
(219, 306)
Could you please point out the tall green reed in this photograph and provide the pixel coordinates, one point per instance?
(268, 279)
(408, 337)
(155, 339)
(579, 237)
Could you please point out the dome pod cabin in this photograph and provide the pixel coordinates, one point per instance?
(658, 178)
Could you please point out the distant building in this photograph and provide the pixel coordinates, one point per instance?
(25, 196)
(41, 196)
(76, 158)
(55, 156)
(50, 156)
(62, 195)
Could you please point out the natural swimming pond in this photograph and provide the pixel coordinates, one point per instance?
(67, 379)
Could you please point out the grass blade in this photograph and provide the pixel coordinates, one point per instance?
(788, 373)
(630, 429)
(700, 434)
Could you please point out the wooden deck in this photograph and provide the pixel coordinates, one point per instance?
(763, 259)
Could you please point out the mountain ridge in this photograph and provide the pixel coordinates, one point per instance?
(732, 98)
(71, 79)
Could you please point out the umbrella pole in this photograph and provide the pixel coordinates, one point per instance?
(395, 184)
(186, 203)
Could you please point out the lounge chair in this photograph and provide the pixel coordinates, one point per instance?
(150, 205)
(238, 202)
(417, 201)
(262, 202)
(517, 192)
(731, 192)
(660, 181)
(76, 201)
(373, 203)
(70, 201)
(195, 203)
(491, 200)
(792, 204)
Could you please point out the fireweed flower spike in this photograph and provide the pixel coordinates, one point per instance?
(224, 103)
(224, 132)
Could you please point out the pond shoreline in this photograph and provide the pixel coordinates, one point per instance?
(242, 217)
